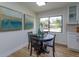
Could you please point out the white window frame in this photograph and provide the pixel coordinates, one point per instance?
(49, 23)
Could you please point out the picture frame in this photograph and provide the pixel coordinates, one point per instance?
(10, 20)
(28, 22)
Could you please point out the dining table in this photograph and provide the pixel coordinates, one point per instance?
(44, 39)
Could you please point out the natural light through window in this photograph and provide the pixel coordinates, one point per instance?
(52, 24)
(44, 24)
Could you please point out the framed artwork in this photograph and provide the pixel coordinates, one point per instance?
(28, 22)
(10, 20)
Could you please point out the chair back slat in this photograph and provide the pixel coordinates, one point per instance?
(29, 35)
(34, 41)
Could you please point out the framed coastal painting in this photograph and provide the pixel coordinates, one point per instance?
(28, 22)
(10, 20)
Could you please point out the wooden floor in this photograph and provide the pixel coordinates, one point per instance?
(61, 51)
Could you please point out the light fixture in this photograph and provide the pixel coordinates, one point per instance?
(40, 3)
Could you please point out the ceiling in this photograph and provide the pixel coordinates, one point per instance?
(50, 5)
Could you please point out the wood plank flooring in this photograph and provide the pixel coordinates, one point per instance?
(61, 51)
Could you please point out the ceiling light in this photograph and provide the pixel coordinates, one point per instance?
(40, 3)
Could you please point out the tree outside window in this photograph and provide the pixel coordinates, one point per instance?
(52, 23)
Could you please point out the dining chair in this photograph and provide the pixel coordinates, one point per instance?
(35, 44)
(52, 45)
(29, 39)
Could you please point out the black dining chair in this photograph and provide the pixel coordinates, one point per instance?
(35, 44)
(52, 45)
(29, 39)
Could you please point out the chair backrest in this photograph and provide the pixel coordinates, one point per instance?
(29, 35)
(35, 42)
(30, 32)
(52, 42)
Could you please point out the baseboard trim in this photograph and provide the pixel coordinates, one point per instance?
(60, 44)
(75, 50)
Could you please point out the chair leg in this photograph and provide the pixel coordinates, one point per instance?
(31, 51)
(28, 45)
(53, 51)
(37, 55)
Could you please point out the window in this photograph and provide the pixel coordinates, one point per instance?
(44, 23)
(52, 24)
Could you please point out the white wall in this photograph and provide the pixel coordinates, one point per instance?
(60, 37)
(11, 41)
(14, 40)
